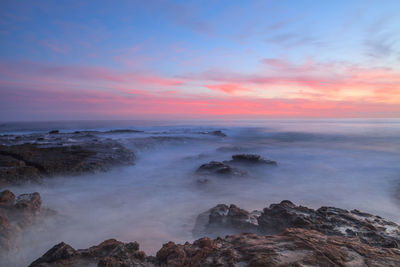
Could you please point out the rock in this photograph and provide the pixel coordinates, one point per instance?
(293, 247)
(218, 133)
(31, 162)
(6, 197)
(16, 214)
(7, 235)
(251, 159)
(54, 132)
(223, 220)
(370, 229)
(109, 253)
(219, 168)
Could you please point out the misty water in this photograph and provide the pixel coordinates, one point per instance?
(351, 164)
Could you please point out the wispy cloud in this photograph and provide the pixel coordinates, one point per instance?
(55, 46)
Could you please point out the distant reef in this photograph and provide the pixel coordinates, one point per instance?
(29, 158)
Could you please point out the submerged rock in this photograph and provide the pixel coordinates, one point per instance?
(251, 159)
(219, 168)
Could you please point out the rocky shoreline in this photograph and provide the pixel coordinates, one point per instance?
(281, 235)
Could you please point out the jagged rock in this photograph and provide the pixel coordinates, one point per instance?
(251, 159)
(108, 253)
(54, 132)
(219, 168)
(223, 220)
(277, 218)
(331, 221)
(294, 247)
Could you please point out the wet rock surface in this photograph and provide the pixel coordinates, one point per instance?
(294, 247)
(17, 214)
(283, 235)
(224, 220)
(219, 168)
(250, 159)
(108, 253)
(275, 219)
(225, 169)
(32, 157)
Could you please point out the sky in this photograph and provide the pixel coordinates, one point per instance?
(69, 60)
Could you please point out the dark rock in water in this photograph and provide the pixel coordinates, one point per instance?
(219, 168)
(218, 133)
(109, 253)
(15, 171)
(54, 132)
(293, 247)
(370, 229)
(223, 220)
(251, 159)
(20, 163)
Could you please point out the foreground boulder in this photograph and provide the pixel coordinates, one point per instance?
(294, 247)
(30, 162)
(275, 219)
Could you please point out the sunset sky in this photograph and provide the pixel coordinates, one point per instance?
(199, 59)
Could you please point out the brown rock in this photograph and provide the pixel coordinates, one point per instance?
(6, 197)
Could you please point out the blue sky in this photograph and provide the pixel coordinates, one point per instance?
(190, 43)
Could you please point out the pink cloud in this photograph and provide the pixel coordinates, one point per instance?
(230, 89)
(57, 90)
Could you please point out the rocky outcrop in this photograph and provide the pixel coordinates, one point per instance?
(109, 253)
(225, 169)
(275, 219)
(224, 220)
(219, 168)
(16, 214)
(31, 162)
(293, 247)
